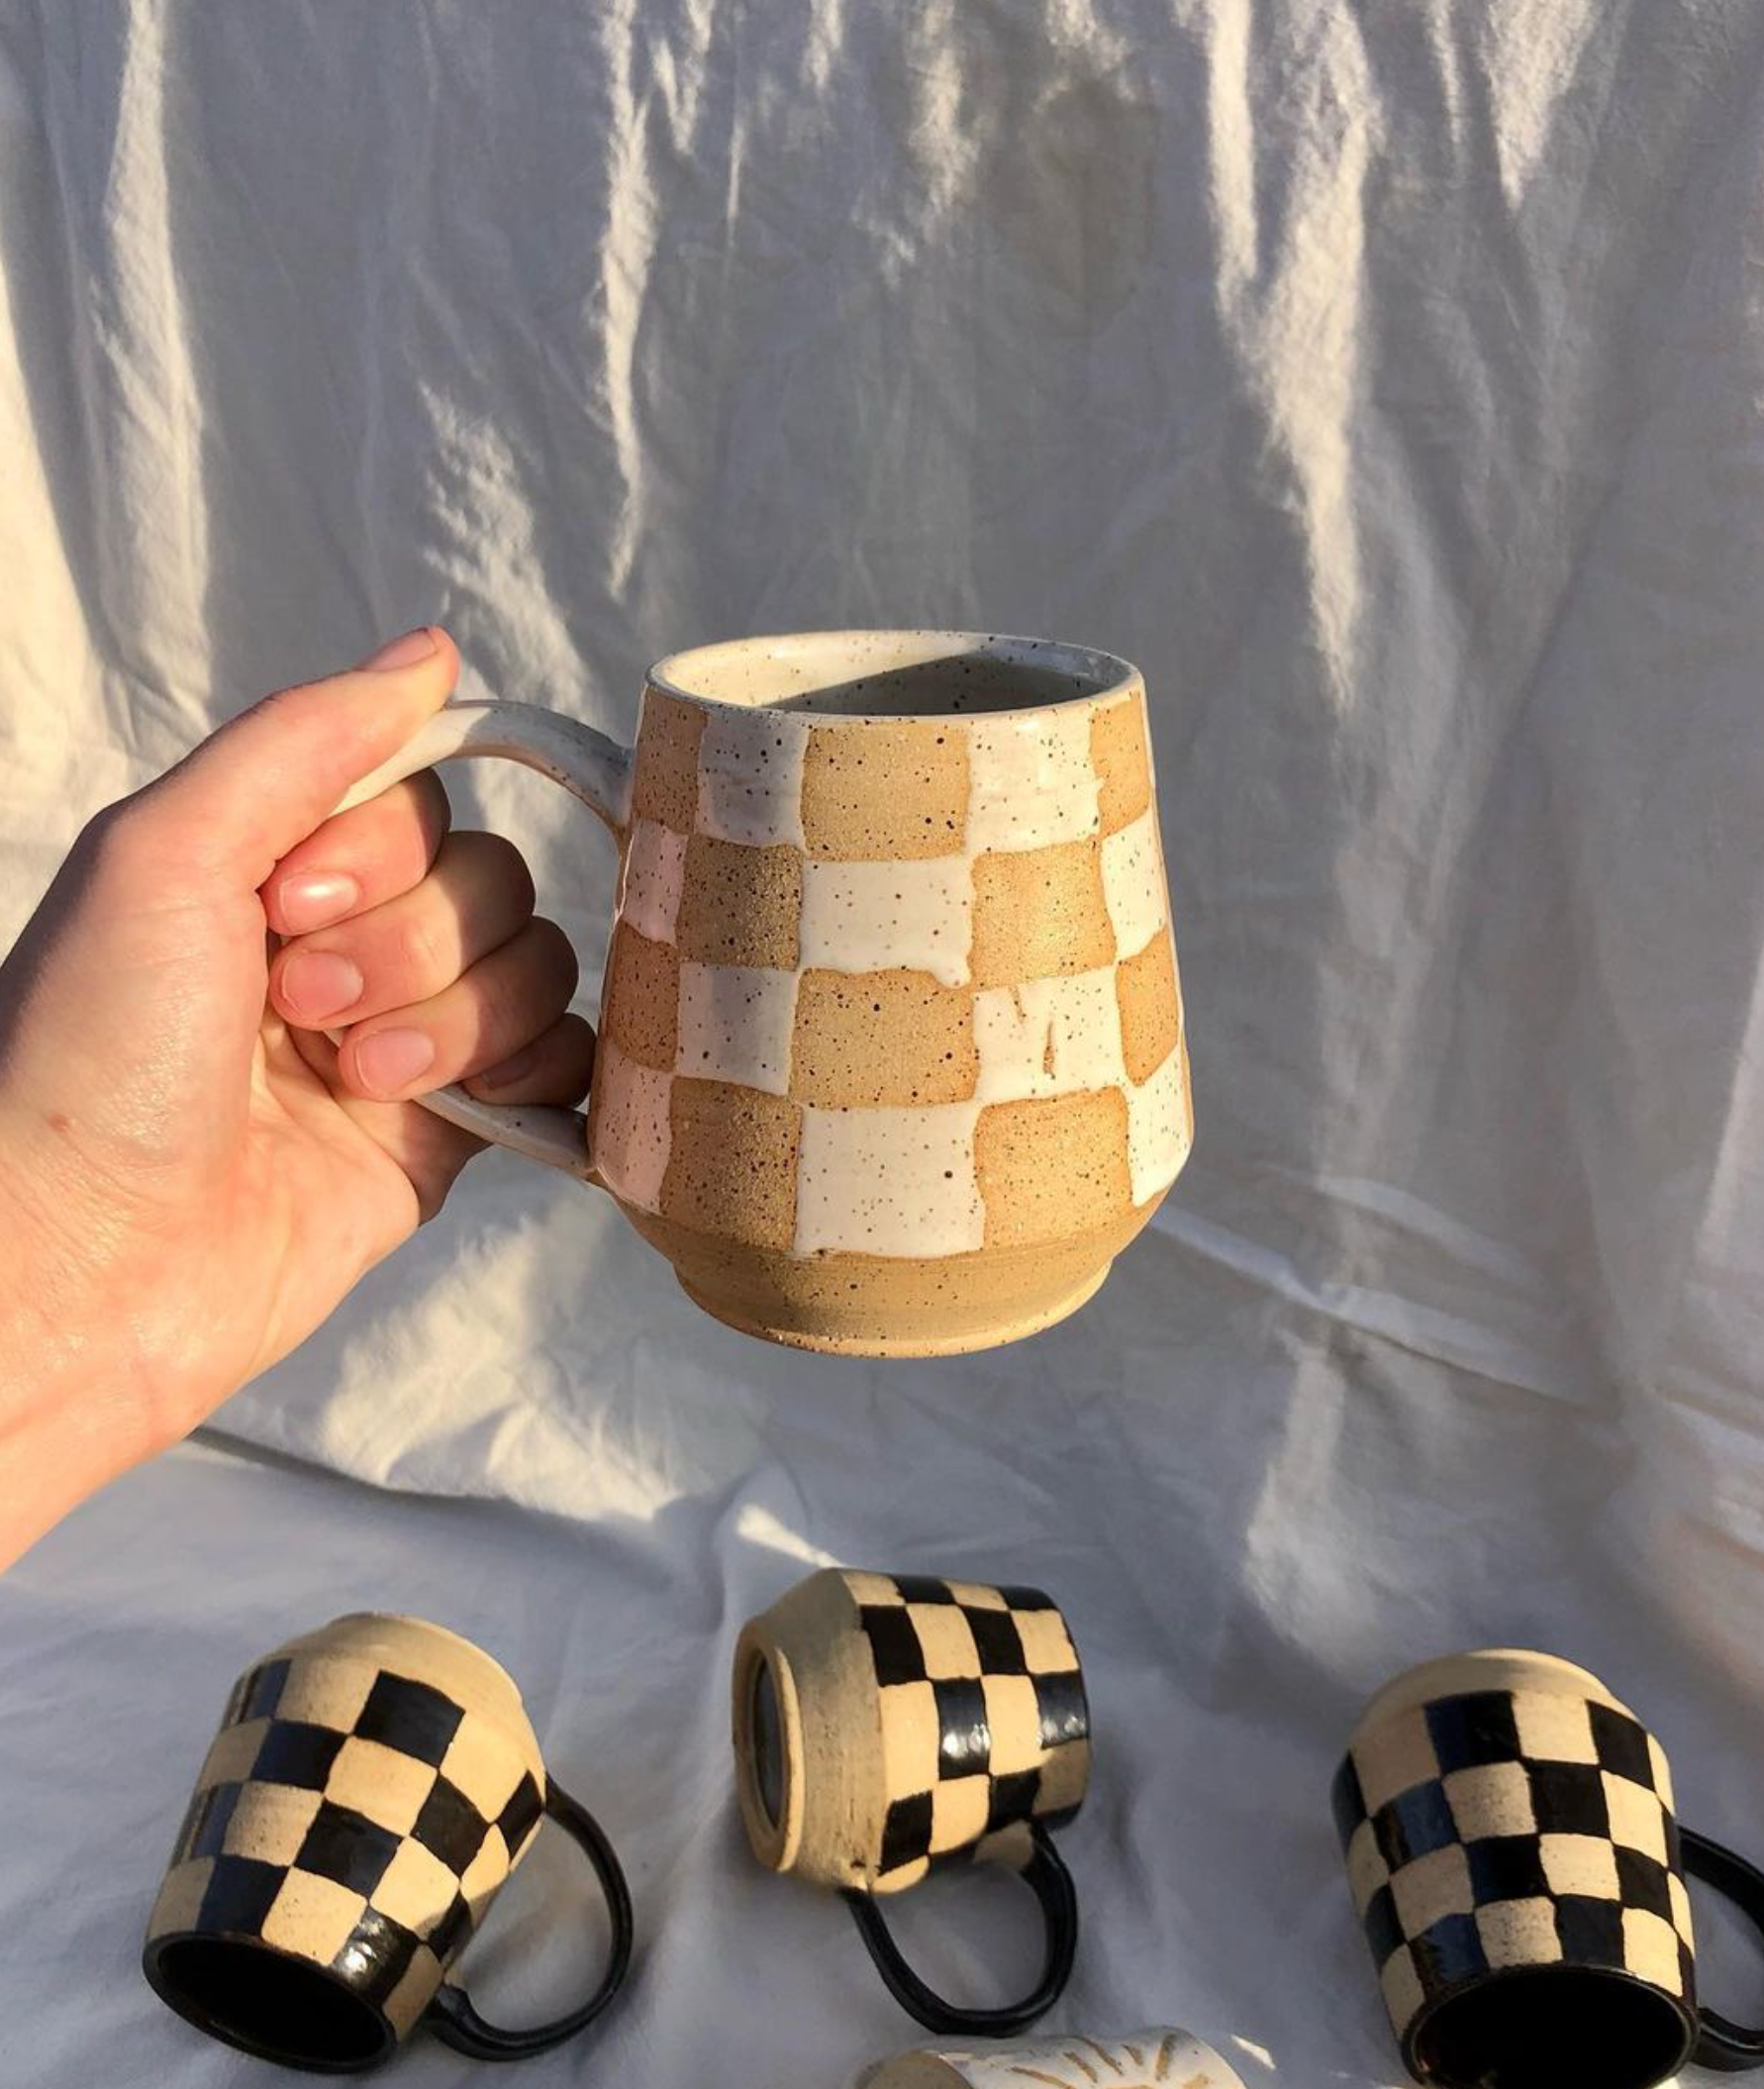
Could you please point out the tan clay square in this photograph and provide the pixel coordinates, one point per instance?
(890, 789)
(946, 1640)
(868, 1038)
(1065, 1776)
(1680, 1896)
(180, 1897)
(1520, 1932)
(741, 905)
(378, 1781)
(958, 1812)
(1015, 1720)
(1046, 1644)
(231, 1754)
(974, 1595)
(1040, 913)
(415, 1991)
(1650, 1948)
(1552, 1728)
(911, 1737)
(1396, 1756)
(1053, 1167)
(1494, 1798)
(327, 1692)
(1150, 1007)
(1662, 1772)
(1401, 1984)
(269, 1823)
(416, 1888)
(1431, 1888)
(486, 1874)
(311, 1917)
(902, 1876)
(1119, 754)
(482, 1765)
(1366, 1867)
(1637, 1820)
(641, 1009)
(872, 1589)
(1584, 1864)
(732, 1163)
(666, 786)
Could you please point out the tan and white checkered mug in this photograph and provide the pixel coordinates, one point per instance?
(891, 1050)
(372, 1786)
(1519, 1874)
(887, 1725)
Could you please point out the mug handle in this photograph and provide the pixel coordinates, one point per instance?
(1724, 2047)
(592, 767)
(451, 2016)
(1046, 1874)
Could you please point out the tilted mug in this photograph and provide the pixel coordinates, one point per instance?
(891, 1054)
(371, 1788)
(888, 1725)
(1519, 1870)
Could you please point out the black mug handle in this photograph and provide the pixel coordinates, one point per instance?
(453, 2019)
(1046, 1874)
(1725, 2047)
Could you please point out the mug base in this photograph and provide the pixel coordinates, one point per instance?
(961, 1345)
(860, 1305)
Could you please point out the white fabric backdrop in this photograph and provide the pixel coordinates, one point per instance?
(1384, 377)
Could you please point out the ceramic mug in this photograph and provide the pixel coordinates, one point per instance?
(891, 1051)
(889, 1725)
(371, 1788)
(1519, 1874)
(1141, 2060)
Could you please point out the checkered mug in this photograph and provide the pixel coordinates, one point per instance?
(887, 1725)
(891, 1054)
(1519, 1874)
(372, 1786)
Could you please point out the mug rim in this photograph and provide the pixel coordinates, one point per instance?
(212, 2027)
(775, 1841)
(1510, 1975)
(1108, 675)
(1469, 1674)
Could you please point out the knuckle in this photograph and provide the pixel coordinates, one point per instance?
(501, 865)
(555, 954)
(419, 952)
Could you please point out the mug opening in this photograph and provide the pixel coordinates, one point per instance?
(904, 674)
(1538, 2027)
(766, 1731)
(266, 2002)
(767, 1737)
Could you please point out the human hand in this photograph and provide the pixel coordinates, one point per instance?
(194, 1176)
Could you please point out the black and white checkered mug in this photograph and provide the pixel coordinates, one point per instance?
(889, 1725)
(1516, 1865)
(372, 1786)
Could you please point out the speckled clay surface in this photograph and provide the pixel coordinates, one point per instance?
(892, 1054)
(1142, 2059)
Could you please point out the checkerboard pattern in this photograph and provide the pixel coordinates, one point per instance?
(1513, 1829)
(353, 1817)
(985, 1724)
(915, 1022)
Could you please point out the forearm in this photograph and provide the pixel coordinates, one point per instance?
(75, 1405)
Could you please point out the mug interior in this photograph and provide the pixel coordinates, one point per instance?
(1542, 2027)
(891, 674)
(265, 2002)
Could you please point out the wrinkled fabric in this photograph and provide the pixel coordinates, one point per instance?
(1384, 377)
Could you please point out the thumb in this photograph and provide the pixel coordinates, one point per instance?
(269, 776)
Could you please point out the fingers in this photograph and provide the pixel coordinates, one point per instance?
(478, 895)
(361, 859)
(555, 1067)
(504, 1002)
(254, 790)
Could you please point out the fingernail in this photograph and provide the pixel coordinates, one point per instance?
(315, 900)
(510, 1069)
(392, 1058)
(318, 984)
(415, 645)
